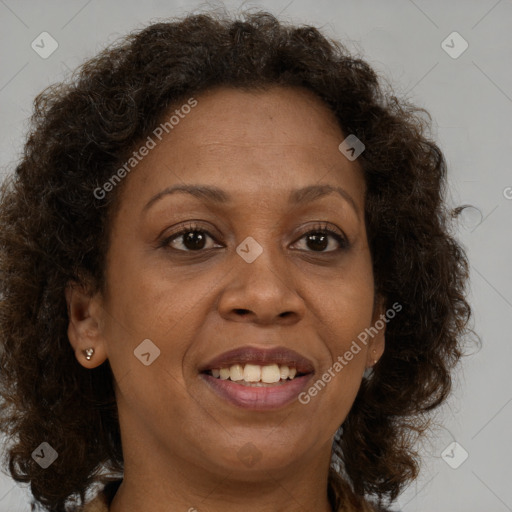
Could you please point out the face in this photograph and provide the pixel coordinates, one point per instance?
(276, 256)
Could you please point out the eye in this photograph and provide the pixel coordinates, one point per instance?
(321, 238)
(191, 237)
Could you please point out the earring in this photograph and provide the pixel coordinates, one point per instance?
(88, 353)
(375, 360)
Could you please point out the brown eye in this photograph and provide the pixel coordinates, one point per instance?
(319, 240)
(190, 239)
(194, 240)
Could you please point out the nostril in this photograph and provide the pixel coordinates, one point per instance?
(241, 311)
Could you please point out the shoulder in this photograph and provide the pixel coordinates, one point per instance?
(343, 498)
(376, 508)
(98, 504)
(103, 499)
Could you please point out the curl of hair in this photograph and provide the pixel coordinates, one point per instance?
(55, 231)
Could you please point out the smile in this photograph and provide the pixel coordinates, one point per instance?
(254, 375)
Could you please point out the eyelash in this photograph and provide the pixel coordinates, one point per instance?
(319, 228)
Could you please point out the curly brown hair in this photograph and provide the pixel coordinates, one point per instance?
(55, 230)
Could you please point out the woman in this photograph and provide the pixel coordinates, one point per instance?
(228, 279)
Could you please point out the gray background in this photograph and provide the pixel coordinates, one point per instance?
(470, 99)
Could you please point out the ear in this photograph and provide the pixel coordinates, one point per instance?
(84, 328)
(377, 341)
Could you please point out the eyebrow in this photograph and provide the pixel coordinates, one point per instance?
(217, 195)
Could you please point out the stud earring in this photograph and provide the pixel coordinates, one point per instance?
(88, 353)
(375, 360)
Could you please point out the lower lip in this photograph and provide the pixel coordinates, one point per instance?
(257, 398)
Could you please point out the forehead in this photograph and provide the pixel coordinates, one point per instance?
(290, 113)
(249, 142)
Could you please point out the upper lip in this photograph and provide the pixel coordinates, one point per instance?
(260, 356)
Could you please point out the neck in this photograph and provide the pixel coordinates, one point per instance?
(182, 486)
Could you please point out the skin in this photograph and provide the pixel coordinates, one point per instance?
(181, 441)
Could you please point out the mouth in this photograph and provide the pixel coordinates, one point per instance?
(258, 379)
(254, 375)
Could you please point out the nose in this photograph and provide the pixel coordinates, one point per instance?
(262, 292)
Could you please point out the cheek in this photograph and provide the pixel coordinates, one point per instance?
(150, 296)
(333, 389)
(146, 305)
(345, 310)
(152, 321)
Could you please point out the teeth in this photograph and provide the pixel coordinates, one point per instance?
(254, 373)
(236, 372)
(270, 374)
